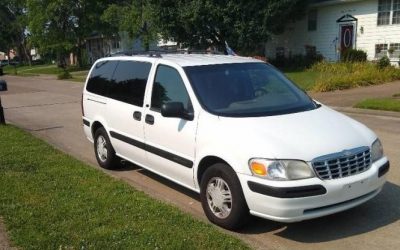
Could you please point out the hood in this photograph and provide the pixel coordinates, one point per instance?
(303, 136)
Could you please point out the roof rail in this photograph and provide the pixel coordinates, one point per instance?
(158, 53)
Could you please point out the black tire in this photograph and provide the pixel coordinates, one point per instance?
(239, 212)
(111, 160)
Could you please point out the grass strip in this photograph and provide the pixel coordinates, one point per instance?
(78, 74)
(50, 200)
(387, 104)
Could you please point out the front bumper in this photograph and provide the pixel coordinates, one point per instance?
(291, 201)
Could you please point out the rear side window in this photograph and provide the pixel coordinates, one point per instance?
(129, 82)
(100, 78)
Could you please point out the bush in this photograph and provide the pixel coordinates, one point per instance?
(345, 75)
(354, 55)
(64, 75)
(297, 62)
(384, 62)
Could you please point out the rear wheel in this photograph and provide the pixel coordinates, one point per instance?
(104, 151)
(222, 197)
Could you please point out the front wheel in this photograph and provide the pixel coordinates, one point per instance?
(222, 197)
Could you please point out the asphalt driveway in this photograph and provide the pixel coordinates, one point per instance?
(50, 109)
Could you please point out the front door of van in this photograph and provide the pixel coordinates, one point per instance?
(125, 109)
(170, 142)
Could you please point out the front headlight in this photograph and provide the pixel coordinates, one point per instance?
(280, 170)
(376, 150)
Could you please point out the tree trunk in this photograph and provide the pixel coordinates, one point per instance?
(79, 61)
(27, 54)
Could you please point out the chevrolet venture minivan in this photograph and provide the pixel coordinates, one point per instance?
(233, 129)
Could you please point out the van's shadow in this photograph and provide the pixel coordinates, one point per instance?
(382, 210)
(127, 166)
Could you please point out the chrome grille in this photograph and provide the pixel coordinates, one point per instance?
(343, 164)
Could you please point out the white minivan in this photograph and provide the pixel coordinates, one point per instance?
(233, 129)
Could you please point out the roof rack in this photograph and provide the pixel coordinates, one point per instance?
(158, 53)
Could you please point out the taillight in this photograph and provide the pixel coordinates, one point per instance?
(83, 112)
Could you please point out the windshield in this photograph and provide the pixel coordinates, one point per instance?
(246, 89)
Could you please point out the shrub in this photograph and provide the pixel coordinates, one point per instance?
(345, 75)
(64, 75)
(384, 62)
(297, 62)
(354, 55)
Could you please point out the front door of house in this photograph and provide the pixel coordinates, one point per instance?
(346, 37)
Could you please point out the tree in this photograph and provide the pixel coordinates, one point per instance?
(134, 17)
(13, 28)
(245, 25)
(61, 26)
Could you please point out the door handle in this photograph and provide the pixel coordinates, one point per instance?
(149, 119)
(137, 115)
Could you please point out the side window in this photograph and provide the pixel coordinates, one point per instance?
(129, 82)
(100, 77)
(169, 87)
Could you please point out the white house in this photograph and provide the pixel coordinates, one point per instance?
(332, 26)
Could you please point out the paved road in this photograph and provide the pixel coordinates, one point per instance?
(51, 110)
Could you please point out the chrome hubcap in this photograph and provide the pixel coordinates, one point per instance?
(219, 197)
(102, 148)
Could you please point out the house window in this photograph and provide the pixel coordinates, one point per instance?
(381, 50)
(396, 12)
(312, 20)
(115, 44)
(388, 12)
(384, 7)
(394, 51)
(311, 51)
(280, 53)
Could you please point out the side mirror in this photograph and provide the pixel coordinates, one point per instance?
(175, 109)
(3, 85)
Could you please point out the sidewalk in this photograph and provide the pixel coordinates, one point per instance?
(350, 97)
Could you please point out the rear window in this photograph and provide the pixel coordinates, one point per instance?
(100, 78)
(129, 82)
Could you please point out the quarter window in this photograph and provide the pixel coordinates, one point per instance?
(100, 78)
(129, 82)
(169, 87)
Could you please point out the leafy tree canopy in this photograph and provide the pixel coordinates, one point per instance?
(12, 25)
(245, 25)
(61, 26)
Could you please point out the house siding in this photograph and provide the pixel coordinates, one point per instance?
(326, 37)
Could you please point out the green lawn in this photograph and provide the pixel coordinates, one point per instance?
(79, 76)
(388, 104)
(50, 200)
(48, 69)
(304, 79)
(32, 70)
